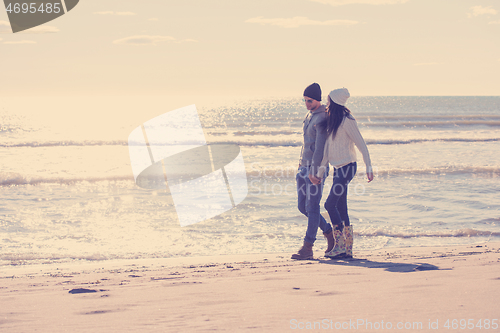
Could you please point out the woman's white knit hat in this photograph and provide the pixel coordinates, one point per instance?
(339, 96)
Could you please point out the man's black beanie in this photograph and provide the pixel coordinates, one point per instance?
(313, 91)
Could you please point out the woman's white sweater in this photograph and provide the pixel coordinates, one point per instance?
(339, 150)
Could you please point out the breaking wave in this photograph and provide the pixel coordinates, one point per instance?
(453, 233)
(12, 179)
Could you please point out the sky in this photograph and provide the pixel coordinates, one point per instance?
(256, 48)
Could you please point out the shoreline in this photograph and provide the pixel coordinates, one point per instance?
(24, 266)
(263, 292)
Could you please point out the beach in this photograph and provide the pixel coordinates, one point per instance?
(151, 154)
(445, 289)
(84, 249)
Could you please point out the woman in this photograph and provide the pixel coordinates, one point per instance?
(342, 135)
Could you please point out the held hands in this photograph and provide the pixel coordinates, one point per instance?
(314, 180)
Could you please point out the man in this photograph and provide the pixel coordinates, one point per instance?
(309, 195)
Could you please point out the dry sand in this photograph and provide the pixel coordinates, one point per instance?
(415, 289)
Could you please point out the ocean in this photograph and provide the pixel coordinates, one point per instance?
(67, 192)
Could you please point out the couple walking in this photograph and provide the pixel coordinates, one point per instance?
(330, 133)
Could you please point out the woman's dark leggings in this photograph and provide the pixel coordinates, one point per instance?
(336, 203)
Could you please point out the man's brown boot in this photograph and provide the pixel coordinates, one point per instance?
(305, 252)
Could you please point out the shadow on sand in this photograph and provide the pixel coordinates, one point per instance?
(388, 266)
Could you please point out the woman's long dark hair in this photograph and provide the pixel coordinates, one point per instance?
(336, 115)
